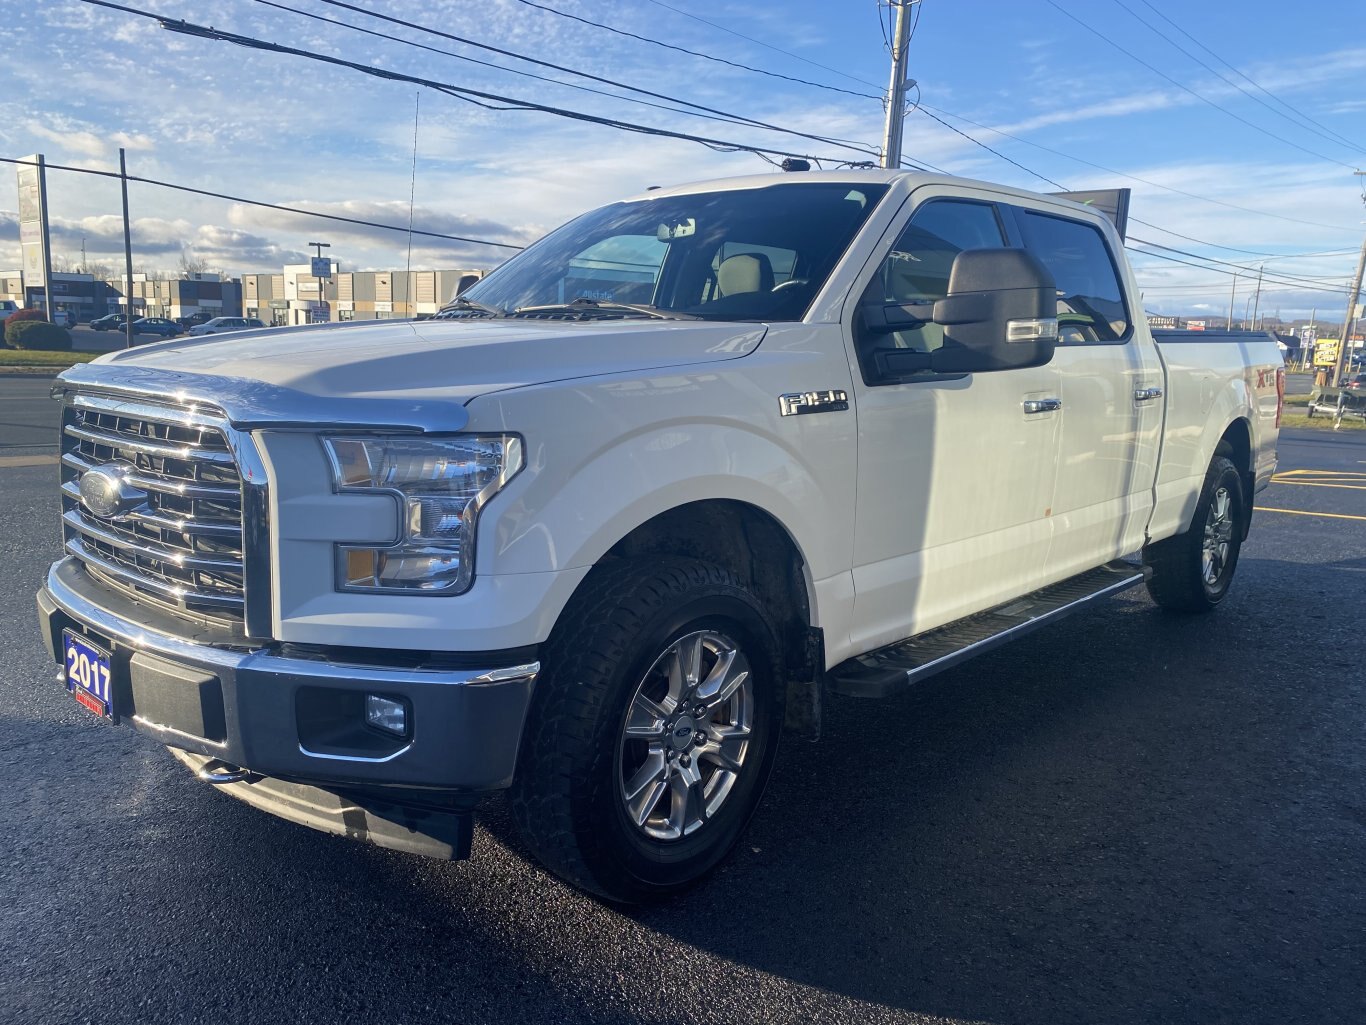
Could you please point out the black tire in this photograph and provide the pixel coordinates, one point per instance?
(569, 797)
(1181, 579)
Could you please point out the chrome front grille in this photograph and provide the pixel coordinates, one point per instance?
(182, 541)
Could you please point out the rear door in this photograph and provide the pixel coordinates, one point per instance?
(955, 472)
(1111, 380)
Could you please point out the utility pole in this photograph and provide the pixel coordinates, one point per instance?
(1231, 296)
(896, 89)
(127, 257)
(1349, 318)
(1257, 303)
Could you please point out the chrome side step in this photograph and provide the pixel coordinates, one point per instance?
(889, 670)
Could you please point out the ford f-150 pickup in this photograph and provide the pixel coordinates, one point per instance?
(634, 504)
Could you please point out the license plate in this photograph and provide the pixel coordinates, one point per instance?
(87, 673)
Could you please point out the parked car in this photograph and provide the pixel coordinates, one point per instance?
(8, 306)
(64, 318)
(196, 318)
(602, 550)
(218, 325)
(157, 326)
(109, 322)
(1357, 382)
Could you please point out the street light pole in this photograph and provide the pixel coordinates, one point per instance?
(318, 248)
(1231, 296)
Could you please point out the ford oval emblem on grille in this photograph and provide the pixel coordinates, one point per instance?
(106, 494)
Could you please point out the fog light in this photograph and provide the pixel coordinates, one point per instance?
(387, 714)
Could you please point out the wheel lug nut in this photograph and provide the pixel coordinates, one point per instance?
(686, 761)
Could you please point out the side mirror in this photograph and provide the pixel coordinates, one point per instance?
(1001, 313)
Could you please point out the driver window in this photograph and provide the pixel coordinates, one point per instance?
(917, 268)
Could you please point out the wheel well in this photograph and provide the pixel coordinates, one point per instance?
(758, 549)
(1236, 446)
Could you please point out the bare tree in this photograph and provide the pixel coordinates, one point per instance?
(190, 264)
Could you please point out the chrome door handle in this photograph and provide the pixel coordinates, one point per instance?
(1146, 394)
(1042, 405)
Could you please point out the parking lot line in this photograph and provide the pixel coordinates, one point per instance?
(1320, 484)
(27, 461)
(1304, 512)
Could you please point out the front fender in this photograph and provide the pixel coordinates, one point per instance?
(610, 455)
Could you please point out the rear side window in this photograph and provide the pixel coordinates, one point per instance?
(1090, 299)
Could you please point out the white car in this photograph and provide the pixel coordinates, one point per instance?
(219, 325)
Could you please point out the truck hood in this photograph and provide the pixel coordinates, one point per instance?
(417, 374)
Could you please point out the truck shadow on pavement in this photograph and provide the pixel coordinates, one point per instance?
(1131, 817)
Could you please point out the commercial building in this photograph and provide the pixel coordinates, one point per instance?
(87, 297)
(179, 297)
(82, 295)
(293, 296)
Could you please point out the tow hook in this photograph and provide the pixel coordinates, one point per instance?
(219, 772)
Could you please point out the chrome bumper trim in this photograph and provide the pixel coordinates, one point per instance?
(141, 638)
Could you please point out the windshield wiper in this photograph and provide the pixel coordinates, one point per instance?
(461, 303)
(585, 305)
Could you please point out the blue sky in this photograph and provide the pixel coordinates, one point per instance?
(1254, 175)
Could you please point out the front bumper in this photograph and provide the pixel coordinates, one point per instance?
(200, 690)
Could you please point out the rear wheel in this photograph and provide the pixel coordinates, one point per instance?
(1192, 571)
(653, 729)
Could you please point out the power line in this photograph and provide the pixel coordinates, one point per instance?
(261, 203)
(591, 77)
(698, 53)
(996, 152)
(766, 45)
(459, 92)
(1336, 140)
(1343, 139)
(1285, 278)
(926, 110)
(746, 122)
(1216, 270)
(1180, 85)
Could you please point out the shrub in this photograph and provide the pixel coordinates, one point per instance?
(19, 317)
(37, 334)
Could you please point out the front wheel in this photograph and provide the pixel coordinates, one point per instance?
(1192, 571)
(652, 731)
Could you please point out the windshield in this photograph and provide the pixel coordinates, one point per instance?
(750, 254)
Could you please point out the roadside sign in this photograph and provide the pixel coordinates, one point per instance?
(322, 266)
(1326, 352)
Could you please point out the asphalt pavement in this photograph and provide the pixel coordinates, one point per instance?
(1130, 817)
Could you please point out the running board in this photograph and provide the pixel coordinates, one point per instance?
(889, 670)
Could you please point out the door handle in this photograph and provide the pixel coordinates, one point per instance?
(1147, 394)
(1042, 405)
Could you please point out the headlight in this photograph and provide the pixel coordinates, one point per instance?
(440, 485)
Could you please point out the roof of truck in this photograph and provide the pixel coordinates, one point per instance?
(862, 176)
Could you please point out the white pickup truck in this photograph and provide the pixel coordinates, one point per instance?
(634, 504)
